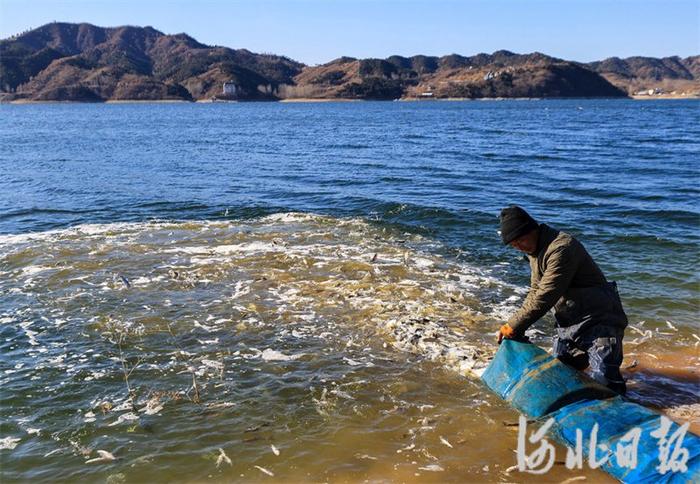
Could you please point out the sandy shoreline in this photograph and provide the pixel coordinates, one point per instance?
(678, 368)
(663, 96)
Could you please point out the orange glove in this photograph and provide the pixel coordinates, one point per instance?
(505, 332)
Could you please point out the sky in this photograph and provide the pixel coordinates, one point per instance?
(318, 31)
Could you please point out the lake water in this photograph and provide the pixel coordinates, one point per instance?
(305, 286)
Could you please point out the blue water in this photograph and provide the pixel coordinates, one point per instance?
(620, 174)
(314, 270)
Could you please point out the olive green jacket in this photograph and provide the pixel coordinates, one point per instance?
(565, 277)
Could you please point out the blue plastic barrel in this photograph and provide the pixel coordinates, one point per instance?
(542, 387)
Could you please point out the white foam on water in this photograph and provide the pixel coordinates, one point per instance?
(323, 266)
(9, 443)
(422, 262)
(143, 281)
(289, 217)
(273, 355)
(31, 270)
(187, 250)
(247, 248)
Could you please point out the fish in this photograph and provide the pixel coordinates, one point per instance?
(222, 458)
(55, 451)
(446, 442)
(104, 457)
(265, 471)
(125, 417)
(125, 281)
(365, 456)
(275, 450)
(573, 479)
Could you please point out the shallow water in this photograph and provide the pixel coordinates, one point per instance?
(317, 278)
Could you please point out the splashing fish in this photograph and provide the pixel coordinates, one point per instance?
(222, 458)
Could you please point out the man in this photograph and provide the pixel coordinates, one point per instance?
(587, 308)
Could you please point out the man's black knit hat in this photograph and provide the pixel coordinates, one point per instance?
(515, 222)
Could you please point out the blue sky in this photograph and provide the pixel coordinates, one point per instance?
(317, 31)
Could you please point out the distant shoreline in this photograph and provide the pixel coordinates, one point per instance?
(342, 100)
(115, 101)
(82, 62)
(662, 96)
(321, 100)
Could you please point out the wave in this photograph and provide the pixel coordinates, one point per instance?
(38, 211)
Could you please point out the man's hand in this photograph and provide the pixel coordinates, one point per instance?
(505, 332)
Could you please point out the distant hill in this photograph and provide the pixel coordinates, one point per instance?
(501, 74)
(636, 74)
(62, 61)
(82, 62)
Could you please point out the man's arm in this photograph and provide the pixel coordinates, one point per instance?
(561, 265)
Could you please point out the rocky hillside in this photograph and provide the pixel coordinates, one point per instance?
(640, 74)
(82, 62)
(502, 74)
